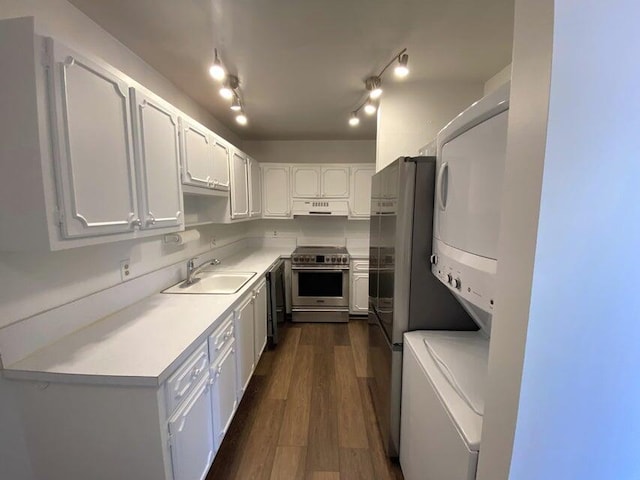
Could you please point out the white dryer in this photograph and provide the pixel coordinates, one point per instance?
(443, 380)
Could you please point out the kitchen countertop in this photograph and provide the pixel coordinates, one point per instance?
(143, 343)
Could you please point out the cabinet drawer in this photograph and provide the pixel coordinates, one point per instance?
(222, 337)
(360, 266)
(186, 377)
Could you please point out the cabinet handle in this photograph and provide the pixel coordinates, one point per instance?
(196, 373)
(151, 219)
(219, 370)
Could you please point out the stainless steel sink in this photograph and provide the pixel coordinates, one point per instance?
(214, 283)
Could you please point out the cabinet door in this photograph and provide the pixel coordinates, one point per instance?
(361, 191)
(224, 391)
(245, 341)
(239, 186)
(157, 162)
(93, 147)
(359, 293)
(255, 192)
(335, 182)
(221, 165)
(260, 321)
(305, 182)
(191, 435)
(197, 155)
(276, 200)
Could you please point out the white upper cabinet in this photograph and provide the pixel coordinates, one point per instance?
(197, 154)
(276, 198)
(305, 182)
(221, 165)
(335, 182)
(316, 182)
(157, 162)
(93, 146)
(361, 191)
(239, 186)
(255, 190)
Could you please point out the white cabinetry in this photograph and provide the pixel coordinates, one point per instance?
(255, 188)
(334, 182)
(197, 154)
(244, 319)
(191, 435)
(305, 182)
(157, 161)
(221, 151)
(359, 300)
(361, 191)
(239, 186)
(93, 146)
(317, 181)
(276, 198)
(260, 320)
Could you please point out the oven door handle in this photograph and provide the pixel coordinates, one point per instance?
(319, 269)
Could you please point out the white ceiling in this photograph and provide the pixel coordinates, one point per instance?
(302, 63)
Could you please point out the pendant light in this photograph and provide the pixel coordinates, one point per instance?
(402, 70)
(354, 121)
(228, 88)
(217, 70)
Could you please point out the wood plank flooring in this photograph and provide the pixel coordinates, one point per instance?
(307, 413)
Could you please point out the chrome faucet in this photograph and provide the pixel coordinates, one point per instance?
(192, 270)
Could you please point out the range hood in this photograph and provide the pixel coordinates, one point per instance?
(320, 208)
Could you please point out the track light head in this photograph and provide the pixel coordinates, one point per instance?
(374, 86)
(370, 107)
(217, 70)
(228, 88)
(241, 118)
(236, 106)
(402, 69)
(354, 121)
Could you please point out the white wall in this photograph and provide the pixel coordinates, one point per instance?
(499, 79)
(518, 232)
(571, 284)
(312, 151)
(62, 20)
(412, 113)
(321, 231)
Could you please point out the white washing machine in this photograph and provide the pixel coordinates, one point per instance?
(443, 380)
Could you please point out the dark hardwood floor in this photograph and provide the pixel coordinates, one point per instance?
(307, 413)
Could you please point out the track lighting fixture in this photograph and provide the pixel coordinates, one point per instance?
(373, 86)
(228, 88)
(402, 69)
(217, 70)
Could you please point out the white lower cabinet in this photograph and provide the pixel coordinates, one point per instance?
(224, 398)
(191, 435)
(245, 339)
(260, 320)
(359, 299)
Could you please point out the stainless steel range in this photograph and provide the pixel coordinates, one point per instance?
(320, 284)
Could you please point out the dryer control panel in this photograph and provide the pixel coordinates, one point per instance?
(468, 276)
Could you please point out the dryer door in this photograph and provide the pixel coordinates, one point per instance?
(469, 187)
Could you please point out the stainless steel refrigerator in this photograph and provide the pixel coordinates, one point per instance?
(403, 293)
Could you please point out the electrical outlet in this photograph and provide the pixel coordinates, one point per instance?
(212, 242)
(275, 233)
(125, 269)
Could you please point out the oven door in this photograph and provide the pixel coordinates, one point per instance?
(320, 287)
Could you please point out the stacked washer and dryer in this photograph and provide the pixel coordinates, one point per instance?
(445, 372)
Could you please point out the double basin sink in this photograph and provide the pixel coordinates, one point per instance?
(214, 283)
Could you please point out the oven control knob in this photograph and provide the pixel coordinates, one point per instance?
(344, 259)
(449, 279)
(457, 283)
(295, 259)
